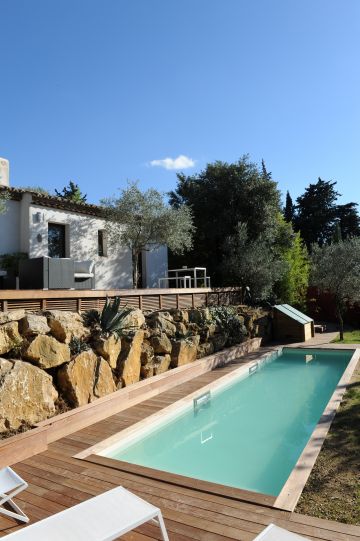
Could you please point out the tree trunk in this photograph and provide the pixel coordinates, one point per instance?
(341, 324)
(135, 268)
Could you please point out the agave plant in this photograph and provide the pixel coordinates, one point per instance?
(111, 318)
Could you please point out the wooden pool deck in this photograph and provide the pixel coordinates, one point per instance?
(192, 510)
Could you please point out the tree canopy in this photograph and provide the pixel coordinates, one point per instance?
(220, 197)
(72, 192)
(336, 269)
(317, 213)
(144, 221)
(289, 209)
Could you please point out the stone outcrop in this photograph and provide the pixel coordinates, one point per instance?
(27, 394)
(67, 325)
(33, 324)
(184, 351)
(109, 349)
(46, 352)
(60, 354)
(130, 359)
(9, 337)
(85, 378)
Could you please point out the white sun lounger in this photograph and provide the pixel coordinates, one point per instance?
(103, 518)
(274, 533)
(10, 485)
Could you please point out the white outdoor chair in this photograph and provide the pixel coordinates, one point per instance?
(103, 518)
(10, 485)
(274, 533)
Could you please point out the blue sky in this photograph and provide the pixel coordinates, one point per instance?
(96, 90)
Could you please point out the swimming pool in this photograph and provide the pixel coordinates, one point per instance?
(252, 431)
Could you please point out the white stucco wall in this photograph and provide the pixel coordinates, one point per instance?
(112, 272)
(155, 266)
(24, 227)
(10, 228)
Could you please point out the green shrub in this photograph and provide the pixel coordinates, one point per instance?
(110, 320)
(227, 319)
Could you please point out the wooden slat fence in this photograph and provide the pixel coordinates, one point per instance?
(145, 299)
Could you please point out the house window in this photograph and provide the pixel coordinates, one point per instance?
(102, 243)
(56, 240)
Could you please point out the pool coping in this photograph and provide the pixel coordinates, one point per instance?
(293, 487)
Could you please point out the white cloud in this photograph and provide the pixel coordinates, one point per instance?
(181, 162)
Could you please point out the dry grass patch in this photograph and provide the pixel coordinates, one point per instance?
(333, 489)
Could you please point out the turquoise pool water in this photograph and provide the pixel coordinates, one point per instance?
(252, 433)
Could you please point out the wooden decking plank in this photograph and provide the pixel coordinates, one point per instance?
(172, 478)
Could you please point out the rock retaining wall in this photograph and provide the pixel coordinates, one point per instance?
(51, 361)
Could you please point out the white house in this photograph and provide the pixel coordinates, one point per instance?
(43, 225)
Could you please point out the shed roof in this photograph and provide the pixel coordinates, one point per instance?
(291, 312)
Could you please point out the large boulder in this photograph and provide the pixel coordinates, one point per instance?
(47, 352)
(147, 353)
(130, 359)
(33, 324)
(27, 394)
(134, 320)
(200, 316)
(163, 322)
(9, 337)
(184, 351)
(157, 365)
(67, 325)
(109, 349)
(161, 363)
(180, 316)
(85, 378)
(161, 344)
(14, 315)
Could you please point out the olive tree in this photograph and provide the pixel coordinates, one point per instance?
(336, 269)
(144, 221)
(252, 263)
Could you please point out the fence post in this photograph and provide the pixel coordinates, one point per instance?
(160, 302)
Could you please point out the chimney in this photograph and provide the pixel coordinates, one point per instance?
(4, 172)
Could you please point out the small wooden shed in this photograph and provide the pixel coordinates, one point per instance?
(291, 324)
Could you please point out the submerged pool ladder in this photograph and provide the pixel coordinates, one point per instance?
(253, 369)
(201, 400)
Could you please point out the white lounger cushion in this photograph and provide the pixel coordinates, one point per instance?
(102, 518)
(274, 533)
